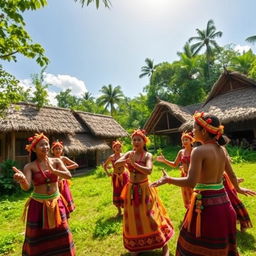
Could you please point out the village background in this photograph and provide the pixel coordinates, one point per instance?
(204, 75)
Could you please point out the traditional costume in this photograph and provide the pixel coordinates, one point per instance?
(186, 191)
(146, 225)
(209, 227)
(64, 185)
(119, 180)
(47, 231)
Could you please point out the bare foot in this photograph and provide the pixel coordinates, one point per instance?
(239, 180)
(165, 250)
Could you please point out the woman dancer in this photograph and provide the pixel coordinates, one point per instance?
(146, 225)
(183, 158)
(209, 227)
(119, 176)
(46, 213)
(64, 184)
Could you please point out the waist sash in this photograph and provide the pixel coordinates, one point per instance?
(51, 212)
(198, 203)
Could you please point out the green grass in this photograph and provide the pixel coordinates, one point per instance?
(95, 230)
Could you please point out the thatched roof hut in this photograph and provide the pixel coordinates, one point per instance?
(232, 99)
(101, 125)
(81, 132)
(27, 117)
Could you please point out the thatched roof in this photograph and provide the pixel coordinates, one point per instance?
(101, 125)
(232, 99)
(179, 112)
(26, 117)
(81, 143)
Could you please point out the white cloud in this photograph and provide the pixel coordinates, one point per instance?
(59, 83)
(242, 48)
(63, 82)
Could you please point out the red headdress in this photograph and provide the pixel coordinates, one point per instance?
(188, 135)
(57, 143)
(34, 140)
(198, 117)
(141, 133)
(115, 143)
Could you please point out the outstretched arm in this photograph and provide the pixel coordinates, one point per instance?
(174, 164)
(193, 173)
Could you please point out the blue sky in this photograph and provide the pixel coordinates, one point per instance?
(89, 48)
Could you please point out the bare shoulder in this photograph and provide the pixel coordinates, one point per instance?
(198, 150)
(29, 166)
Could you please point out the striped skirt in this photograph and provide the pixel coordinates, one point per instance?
(64, 188)
(241, 212)
(146, 225)
(118, 182)
(211, 229)
(40, 238)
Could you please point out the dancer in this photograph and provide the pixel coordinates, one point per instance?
(46, 213)
(64, 184)
(119, 176)
(209, 226)
(146, 225)
(183, 158)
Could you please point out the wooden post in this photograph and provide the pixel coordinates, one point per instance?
(154, 142)
(13, 146)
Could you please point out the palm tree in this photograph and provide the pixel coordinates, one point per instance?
(110, 96)
(106, 3)
(148, 69)
(186, 50)
(251, 39)
(206, 38)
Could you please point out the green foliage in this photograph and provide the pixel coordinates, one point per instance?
(14, 38)
(10, 91)
(40, 97)
(240, 155)
(7, 184)
(7, 243)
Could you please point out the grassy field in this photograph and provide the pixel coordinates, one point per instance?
(96, 232)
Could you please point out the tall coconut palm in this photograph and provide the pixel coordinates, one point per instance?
(251, 39)
(110, 97)
(206, 38)
(148, 69)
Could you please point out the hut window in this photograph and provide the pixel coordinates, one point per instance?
(20, 147)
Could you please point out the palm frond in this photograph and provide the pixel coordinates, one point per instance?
(251, 39)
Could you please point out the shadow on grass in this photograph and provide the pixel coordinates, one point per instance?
(246, 241)
(105, 227)
(149, 253)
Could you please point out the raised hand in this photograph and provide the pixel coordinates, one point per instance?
(160, 158)
(163, 180)
(19, 175)
(131, 158)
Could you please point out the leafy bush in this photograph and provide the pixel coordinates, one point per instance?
(240, 155)
(7, 184)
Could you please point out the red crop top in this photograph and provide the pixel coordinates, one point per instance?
(43, 177)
